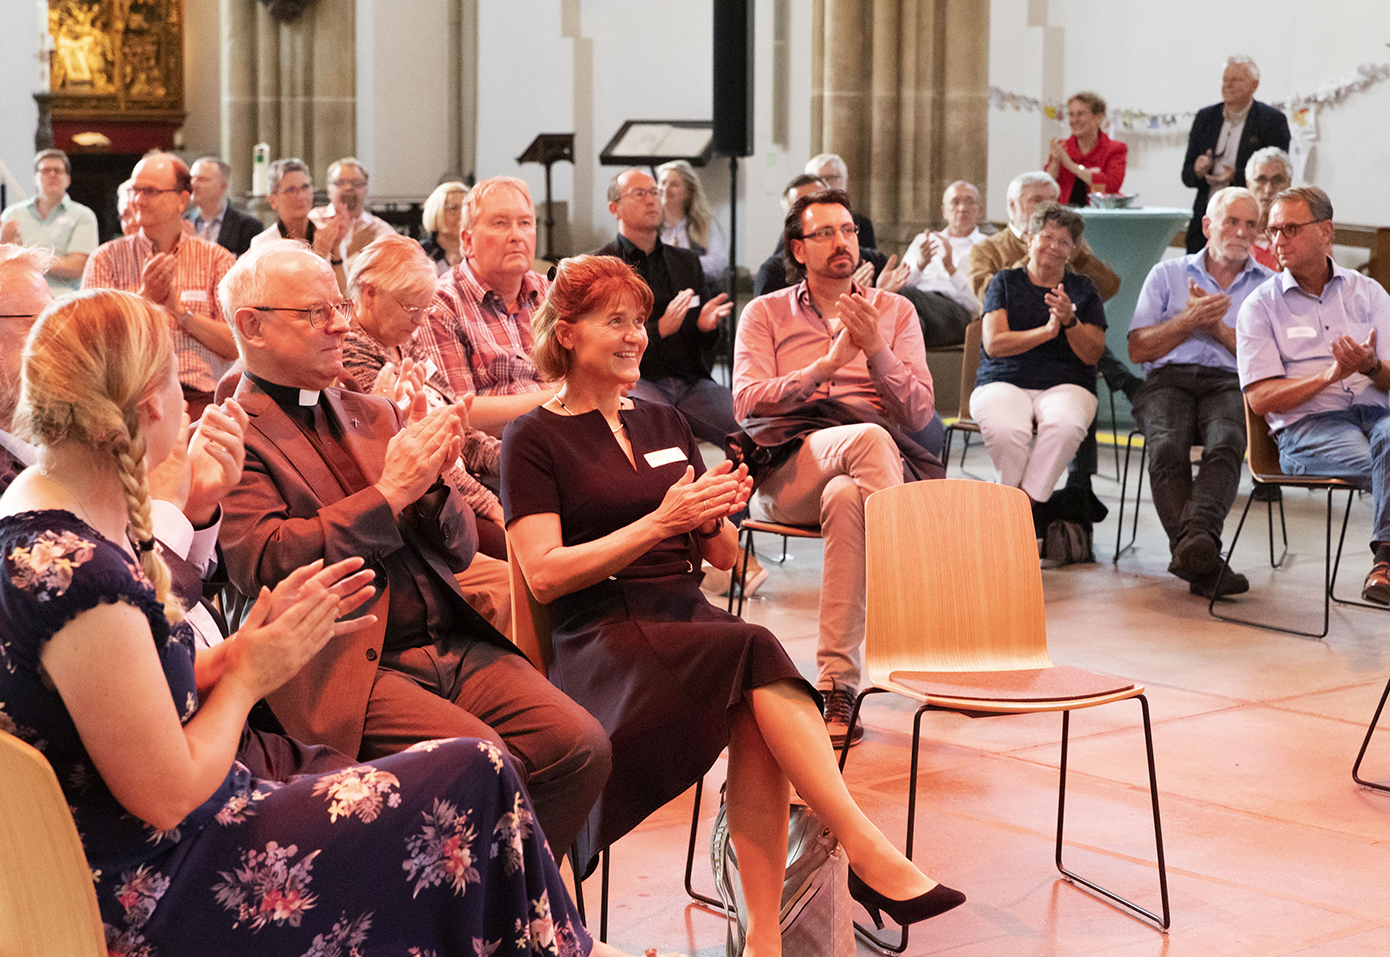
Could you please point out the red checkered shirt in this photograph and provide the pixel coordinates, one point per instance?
(477, 344)
(201, 266)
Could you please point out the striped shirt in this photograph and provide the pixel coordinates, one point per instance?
(476, 343)
(201, 266)
(364, 358)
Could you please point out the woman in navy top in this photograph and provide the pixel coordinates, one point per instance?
(1044, 330)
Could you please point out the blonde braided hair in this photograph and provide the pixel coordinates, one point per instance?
(88, 364)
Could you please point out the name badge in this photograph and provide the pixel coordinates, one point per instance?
(664, 457)
(193, 295)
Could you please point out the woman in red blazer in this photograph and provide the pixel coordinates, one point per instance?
(1088, 161)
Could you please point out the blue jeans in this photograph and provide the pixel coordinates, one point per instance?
(1351, 444)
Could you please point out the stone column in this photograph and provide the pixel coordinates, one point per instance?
(330, 82)
(238, 89)
(848, 103)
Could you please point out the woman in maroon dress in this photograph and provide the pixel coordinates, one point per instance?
(610, 511)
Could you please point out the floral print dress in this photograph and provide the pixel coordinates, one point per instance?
(426, 853)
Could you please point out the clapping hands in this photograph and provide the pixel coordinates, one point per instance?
(692, 502)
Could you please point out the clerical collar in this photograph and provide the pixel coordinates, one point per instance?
(286, 397)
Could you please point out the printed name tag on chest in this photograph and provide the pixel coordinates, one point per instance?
(1301, 332)
(664, 457)
(193, 295)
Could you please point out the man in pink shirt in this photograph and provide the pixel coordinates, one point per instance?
(831, 379)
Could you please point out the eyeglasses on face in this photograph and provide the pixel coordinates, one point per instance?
(319, 313)
(641, 193)
(145, 192)
(350, 183)
(411, 311)
(1290, 230)
(295, 190)
(827, 233)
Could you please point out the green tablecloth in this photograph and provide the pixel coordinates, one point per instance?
(1130, 241)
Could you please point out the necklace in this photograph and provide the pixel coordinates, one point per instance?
(615, 431)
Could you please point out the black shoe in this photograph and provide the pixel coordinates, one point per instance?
(1196, 555)
(936, 901)
(1232, 583)
(839, 705)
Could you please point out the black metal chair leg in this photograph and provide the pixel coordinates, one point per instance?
(578, 884)
(1338, 564)
(1327, 580)
(1356, 768)
(1124, 492)
(1164, 921)
(709, 902)
(603, 899)
(1283, 528)
(736, 582)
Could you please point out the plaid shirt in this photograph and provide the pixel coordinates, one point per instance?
(363, 359)
(476, 344)
(201, 266)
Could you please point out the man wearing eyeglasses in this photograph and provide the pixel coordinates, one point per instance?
(831, 382)
(331, 473)
(347, 204)
(1184, 333)
(52, 219)
(172, 269)
(684, 323)
(1311, 344)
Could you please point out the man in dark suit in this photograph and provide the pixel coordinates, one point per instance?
(212, 216)
(684, 324)
(330, 474)
(1223, 137)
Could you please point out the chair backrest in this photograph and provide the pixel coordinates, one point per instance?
(530, 618)
(1264, 451)
(47, 904)
(954, 582)
(970, 364)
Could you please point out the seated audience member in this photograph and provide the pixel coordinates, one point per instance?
(1088, 161)
(173, 270)
(211, 213)
(1268, 173)
(442, 213)
(190, 853)
(831, 170)
(1224, 135)
(331, 473)
(52, 219)
(686, 220)
(937, 284)
(772, 274)
(1184, 332)
(124, 211)
(616, 554)
(391, 286)
(1044, 329)
(832, 379)
(1009, 248)
(347, 206)
(1313, 348)
(684, 323)
(479, 330)
(292, 197)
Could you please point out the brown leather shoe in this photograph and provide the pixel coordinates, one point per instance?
(1377, 587)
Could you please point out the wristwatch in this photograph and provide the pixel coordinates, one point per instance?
(718, 527)
(1068, 325)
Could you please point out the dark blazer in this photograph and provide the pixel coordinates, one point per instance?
(237, 230)
(1264, 126)
(10, 467)
(687, 353)
(289, 510)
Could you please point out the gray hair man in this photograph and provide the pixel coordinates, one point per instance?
(347, 204)
(211, 214)
(1268, 173)
(1224, 135)
(1313, 351)
(1184, 333)
(937, 283)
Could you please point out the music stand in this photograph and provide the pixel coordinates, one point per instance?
(548, 149)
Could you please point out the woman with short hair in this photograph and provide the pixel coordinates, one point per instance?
(442, 214)
(1043, 332)
(1088, 161)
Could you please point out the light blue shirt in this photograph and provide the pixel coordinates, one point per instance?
(208, 229)
(1283, 332)
(69, 228)
(1165, 294)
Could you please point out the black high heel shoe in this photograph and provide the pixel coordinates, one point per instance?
(938, 900)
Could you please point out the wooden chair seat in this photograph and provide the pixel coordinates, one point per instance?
(1058, 686)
